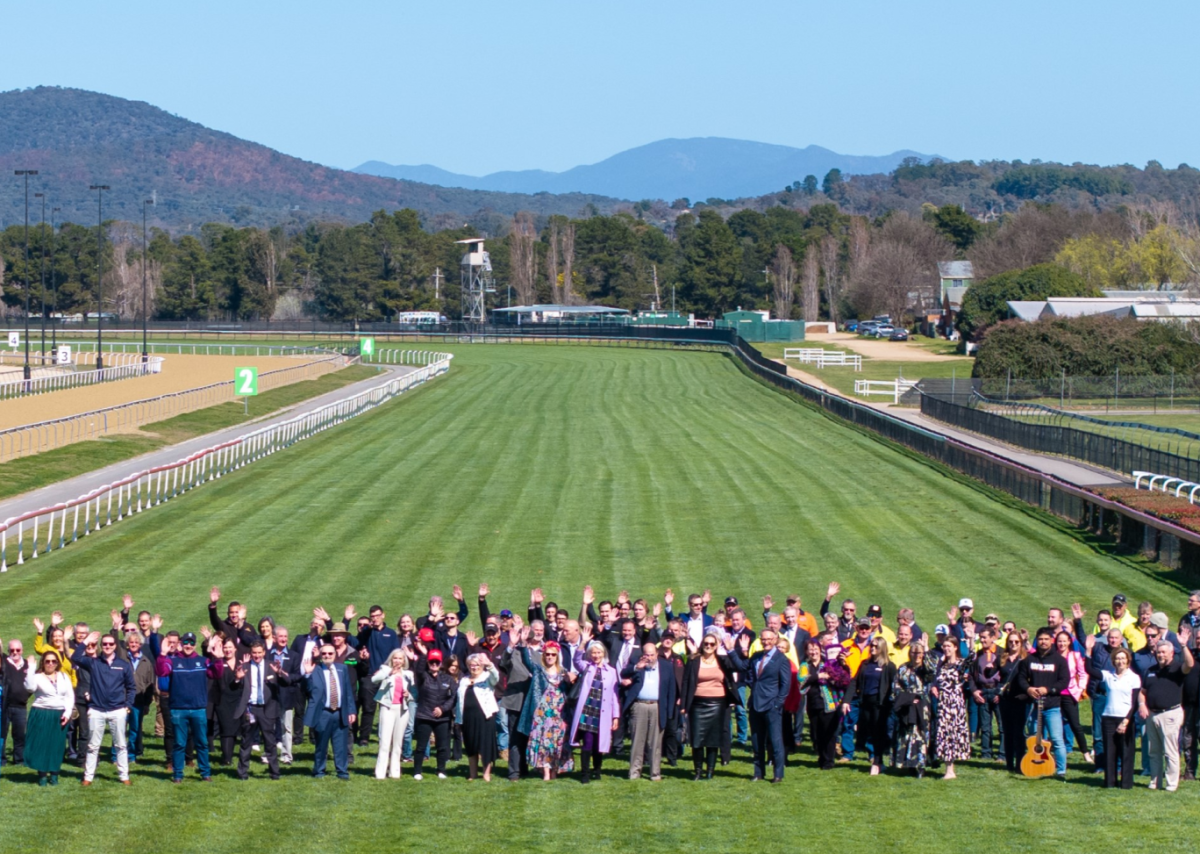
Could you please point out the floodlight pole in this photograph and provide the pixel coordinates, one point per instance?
(26, 173)
(99, 272)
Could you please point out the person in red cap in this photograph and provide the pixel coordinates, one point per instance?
(436, 694)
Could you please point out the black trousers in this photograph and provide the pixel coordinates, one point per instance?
(872, 729)
(1013, 713)
(671, 748)
(824, 728)
(766, 728)
(441, 730)
(517, 742)
(726, 734)
(77, 733)
(1070, 713)
(1187, 738)
(1118, 747)
(256, 724)
(366, 712)
(14, 718)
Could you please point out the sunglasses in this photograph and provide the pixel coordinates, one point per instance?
(848, 610)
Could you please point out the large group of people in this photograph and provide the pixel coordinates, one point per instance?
(555, 693)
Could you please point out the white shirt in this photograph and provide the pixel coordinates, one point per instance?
(1120, 692)
(627, 648)
(57, 693)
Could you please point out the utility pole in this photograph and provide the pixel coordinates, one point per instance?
(26, 173)
(99, 272)
(42, 275)
(54, 287)
(437, 284)
(145, 259)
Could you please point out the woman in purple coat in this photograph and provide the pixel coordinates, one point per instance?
(598, 710)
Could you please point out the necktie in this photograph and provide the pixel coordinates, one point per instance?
(762, 662)
(333, 689)
(259, 696)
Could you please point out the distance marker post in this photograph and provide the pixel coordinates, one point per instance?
(245, 385)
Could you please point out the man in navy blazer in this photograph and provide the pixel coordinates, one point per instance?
(769, 676)
(649, 703)
(330, 711)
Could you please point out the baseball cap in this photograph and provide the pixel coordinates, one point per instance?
(874, 611)
(966, 603)
(1120, 597)
(491, 629)
(435, 655)
(1159, 620)
(506, 614)
(863, 621)
(942, 629)
(731, 600)
(187, 637)
(425, 635)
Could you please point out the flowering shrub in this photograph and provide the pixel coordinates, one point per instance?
(1162, 505)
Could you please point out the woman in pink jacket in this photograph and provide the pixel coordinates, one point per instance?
(1074, 691)
(598, 709)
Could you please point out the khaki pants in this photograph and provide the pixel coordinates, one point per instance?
(647, 736)
(1162, 730)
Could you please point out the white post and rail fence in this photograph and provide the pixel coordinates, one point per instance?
(26, 536)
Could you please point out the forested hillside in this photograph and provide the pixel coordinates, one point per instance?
(197, 175)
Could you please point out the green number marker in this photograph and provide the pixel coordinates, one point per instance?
(245, 381)
(366, 347)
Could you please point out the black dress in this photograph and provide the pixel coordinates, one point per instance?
(478, 732)
(229, 725)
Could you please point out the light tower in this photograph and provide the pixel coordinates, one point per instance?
(476, 280)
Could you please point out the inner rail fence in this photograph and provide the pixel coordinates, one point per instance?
(24, 537)
(1059, 439)
(1115, 392)
(57, 379)
(125, 417)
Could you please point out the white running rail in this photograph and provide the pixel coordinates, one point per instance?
(44, 530)
(895, 388)
(1166, 483)
(823, 358)
(55, 381)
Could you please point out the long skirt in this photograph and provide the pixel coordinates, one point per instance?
(45, 739)
(479, 732)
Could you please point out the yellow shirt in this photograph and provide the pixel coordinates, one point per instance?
(899, 655)
(855, 655)
(64, 663)
(791, 653)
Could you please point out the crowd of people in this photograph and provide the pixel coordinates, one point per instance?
(555, 693)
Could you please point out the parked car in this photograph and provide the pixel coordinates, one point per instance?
(898, 335)
(852, 326)
(867, 327)
(884, 331)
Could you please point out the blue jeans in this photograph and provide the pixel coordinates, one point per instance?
(502, 730)
(743, 720)
(1052, 726)
(1099, 701)
(849, 722)
(194, 721)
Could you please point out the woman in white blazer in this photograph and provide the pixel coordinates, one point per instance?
(395, 682)
(476, 714)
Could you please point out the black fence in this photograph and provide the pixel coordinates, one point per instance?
(1090, 447)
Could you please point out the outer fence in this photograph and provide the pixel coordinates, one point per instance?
(56, 527)
(1095, 448)
(47, 435)
(823, 358)
(76, 379)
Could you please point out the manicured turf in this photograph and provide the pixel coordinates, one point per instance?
(843, 379)
(555, 467)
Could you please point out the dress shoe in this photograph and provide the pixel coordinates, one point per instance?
(126, 782)
(85, 782)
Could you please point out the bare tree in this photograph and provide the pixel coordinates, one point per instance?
(810, 287)
(552, 265)
(783, 275)
(830, 264)
(568, 261)
(860, 245)
(522, 237)
(1186, 242)
(891, 280)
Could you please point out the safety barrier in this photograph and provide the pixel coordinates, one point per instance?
(387, 356)
(822, 358)
(895, 388)
(46, 435)
(75, 379)
(48, 529)
(176, 348)
(1165, 486)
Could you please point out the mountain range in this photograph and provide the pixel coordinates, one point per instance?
(75, 139)
(696, 169)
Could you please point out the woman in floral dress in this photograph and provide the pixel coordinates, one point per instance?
(911, 691)
(542, 715)
(954, 732)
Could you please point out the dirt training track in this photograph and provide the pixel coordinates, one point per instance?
(179, 373)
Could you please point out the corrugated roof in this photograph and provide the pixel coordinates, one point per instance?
(1082, 306)
(1027, 310)
(956, 295)
(956, 269)
(1182, 308)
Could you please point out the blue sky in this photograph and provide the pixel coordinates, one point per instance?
(479, 87)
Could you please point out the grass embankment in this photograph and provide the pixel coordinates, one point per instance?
(843, 379)
(555, 467)
(28, 473)
(1170, 443)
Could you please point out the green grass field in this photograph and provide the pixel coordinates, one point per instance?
(843, 379)
(555, 467)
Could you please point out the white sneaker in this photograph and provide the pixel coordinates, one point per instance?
(441, 776)
(417, 776)
(257, 748)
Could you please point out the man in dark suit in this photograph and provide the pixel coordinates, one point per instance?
(768, 674)
(649, 703)
(260, 707)
(623, 651)
(330, 711)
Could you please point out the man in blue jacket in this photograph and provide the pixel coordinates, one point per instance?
(769, 676)
(188, 674)
(330, 712)
(375, 642)
(112, 696)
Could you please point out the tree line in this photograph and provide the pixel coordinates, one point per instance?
(816, 263)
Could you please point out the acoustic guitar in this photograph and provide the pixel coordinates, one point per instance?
(1038, 760)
